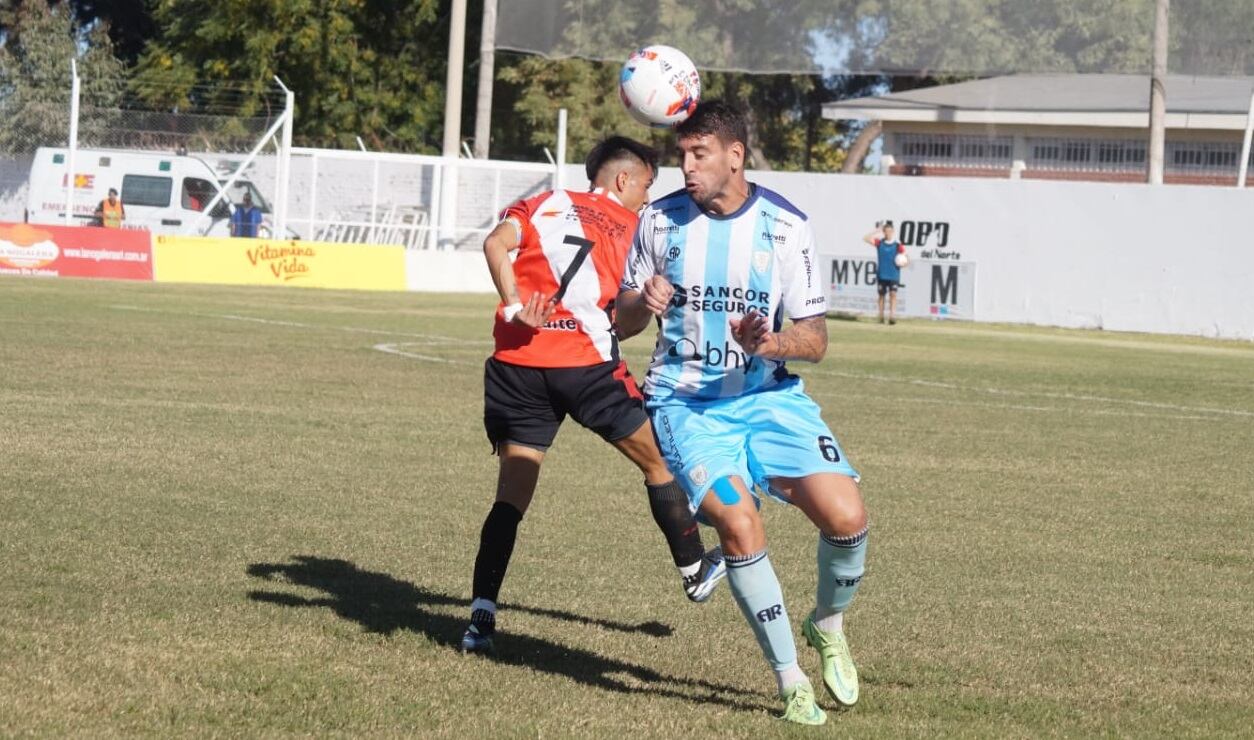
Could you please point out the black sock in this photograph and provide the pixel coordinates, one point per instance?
(496, 544)
(669, 505)
(483, 621)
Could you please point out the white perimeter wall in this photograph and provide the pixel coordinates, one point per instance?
(1166, 259)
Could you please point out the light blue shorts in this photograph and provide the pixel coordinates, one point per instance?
(777, 432)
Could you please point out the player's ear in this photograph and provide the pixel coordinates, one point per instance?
(621, 180)
(737, 151)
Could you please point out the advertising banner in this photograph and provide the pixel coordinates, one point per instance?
(235, 261)
(37, 250)
(941, 289)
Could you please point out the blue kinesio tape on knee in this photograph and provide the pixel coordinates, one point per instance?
(726, 492)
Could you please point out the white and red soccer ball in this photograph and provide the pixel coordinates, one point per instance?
(660, 86)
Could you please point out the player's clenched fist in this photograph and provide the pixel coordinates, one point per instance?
(753, 334)
(535, 312)
(658, 292)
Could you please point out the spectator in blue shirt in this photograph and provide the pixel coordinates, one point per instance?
(889, 275)
(246, 219)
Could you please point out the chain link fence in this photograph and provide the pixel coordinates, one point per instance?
(169, 117)
(27, 125)
(198, 139)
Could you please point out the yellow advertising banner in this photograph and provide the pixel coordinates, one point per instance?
(238, 261)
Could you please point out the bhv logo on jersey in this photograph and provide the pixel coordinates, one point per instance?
(728, 355)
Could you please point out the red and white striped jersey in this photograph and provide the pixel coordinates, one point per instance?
(574, 245)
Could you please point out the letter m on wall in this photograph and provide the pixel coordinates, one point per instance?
(945, 284)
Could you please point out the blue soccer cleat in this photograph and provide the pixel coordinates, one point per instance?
(700, 585)
(475, 642)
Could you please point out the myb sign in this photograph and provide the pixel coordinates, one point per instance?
(929, 287)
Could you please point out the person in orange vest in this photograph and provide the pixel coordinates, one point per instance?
(110, 212)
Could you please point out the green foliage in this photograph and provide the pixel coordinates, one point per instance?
(991, 36)
(788, 130)
(1212, 37)
(357, 67)
(40, 40)
(588, 91)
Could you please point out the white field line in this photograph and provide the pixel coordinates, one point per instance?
(1035, 394)
(435, 340)
(1112, 340)
(1046, 409)
(395, 349)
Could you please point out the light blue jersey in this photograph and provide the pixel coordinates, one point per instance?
(760, 257)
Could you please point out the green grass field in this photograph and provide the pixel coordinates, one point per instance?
(254, 512)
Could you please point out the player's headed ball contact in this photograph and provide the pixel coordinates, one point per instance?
(660, 86)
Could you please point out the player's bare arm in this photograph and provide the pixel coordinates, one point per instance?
(805, 340)
(637, 307)
(873, 236)
(504, 239)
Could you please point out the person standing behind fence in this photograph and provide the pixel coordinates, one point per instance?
(888, 275)
(110, 213)
(246, 220)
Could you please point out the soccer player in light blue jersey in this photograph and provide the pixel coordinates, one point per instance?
(728, 270)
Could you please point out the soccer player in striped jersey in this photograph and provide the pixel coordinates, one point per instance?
(557, 355)
(721, 266)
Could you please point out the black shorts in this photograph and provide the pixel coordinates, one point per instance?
(887, 286)
(526, 405)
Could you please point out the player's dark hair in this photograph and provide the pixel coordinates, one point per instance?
(887, 224)
(716, 118)
(616, 149)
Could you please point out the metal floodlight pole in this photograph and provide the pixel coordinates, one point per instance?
(453, 80)
(447, 215)
(487, 68)
(73, 144)
(283, 186)
(559, 179)
(1245, 144)
(1158, 94)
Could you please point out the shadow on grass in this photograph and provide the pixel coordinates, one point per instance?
(383, 604)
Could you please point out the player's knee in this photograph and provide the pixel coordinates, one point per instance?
(846, 517)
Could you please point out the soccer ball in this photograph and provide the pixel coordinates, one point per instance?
(901, 260)
(660, 86)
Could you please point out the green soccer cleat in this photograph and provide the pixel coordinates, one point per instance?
(800, 707)
(840, 676)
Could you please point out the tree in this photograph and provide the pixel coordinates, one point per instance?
(784, 110)
(39, 42)
(129, 24)
(1212, 37)
(358, 67)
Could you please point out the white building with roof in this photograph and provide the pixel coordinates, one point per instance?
(1091, 127)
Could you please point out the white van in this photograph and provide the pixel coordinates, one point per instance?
(164, 193)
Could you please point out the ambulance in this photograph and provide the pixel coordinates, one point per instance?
(164, 193)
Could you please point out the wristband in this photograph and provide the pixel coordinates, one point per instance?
(510, 311)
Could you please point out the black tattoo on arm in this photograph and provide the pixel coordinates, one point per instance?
(805, 340)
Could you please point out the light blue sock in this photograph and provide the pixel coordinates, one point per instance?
(756, 590)
(842, 561)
